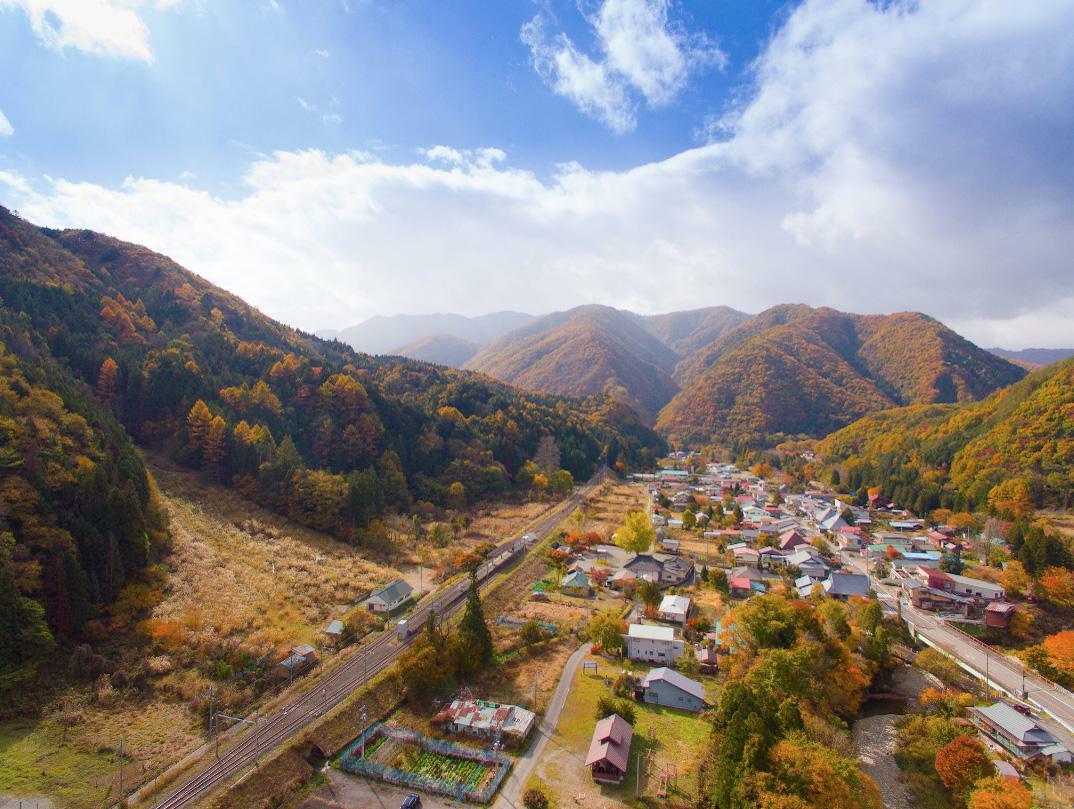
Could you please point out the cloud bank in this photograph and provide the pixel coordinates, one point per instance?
(100, 27)
(883, 157)
(641, 55)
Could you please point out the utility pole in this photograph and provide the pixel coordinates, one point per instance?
(986, 673)
(362, 721)
(211, 695)
(637, 779)
(257, 735)
(122, 744)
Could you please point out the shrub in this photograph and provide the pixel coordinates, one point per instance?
(535, 799)
(607, 705)
(1000, 793)
(939, 665)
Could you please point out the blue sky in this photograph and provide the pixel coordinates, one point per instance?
(232, 79)
(333, 160)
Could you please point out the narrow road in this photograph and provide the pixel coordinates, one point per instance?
(510, 795)
(327, 691)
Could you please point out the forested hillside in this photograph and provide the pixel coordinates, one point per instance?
(795, 370)
(98, 333)
(585, 351)
(687, 332)
(1008, 453)
(78, 513)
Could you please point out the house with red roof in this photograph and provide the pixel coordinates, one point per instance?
(791, 539)
(609, 751)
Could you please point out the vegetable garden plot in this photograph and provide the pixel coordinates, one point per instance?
(408, 758)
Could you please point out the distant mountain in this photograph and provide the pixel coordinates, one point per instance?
(797, 370)
(930, 456)
(687, 332)
(584, 351)
(1034, 358)
(385, 333)
(441, 349)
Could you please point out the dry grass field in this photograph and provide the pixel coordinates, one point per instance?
(606, 510)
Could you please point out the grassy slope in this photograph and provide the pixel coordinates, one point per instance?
(679, 738)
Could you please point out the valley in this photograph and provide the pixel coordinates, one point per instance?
(205, 509)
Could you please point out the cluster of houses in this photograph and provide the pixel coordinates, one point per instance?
(301, 659)
(609, 566)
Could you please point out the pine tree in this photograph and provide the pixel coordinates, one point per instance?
(393, 481)
(197, 423)
(215, 442)
(547, 458)
(106, 380)
(474, 636)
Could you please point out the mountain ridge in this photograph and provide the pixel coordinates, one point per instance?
(581, 352)
(439, 349)
(104, 342)
(795, 369)
(383, 334)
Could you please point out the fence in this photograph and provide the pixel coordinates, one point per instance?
(515, 623)
(352, 761)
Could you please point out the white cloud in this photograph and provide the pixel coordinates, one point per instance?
(641, 55)
(885, 157)
(328, 115)
(100, 27)
(5, 125)
(322, 53)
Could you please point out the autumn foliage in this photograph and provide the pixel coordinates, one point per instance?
(962, 762)
(1008, 453)
(1000, 793)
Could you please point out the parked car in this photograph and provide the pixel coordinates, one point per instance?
(411, 801)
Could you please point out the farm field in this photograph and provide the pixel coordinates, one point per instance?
(401, 756)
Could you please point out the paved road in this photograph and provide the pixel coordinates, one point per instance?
(510, 795)
(332, 688)
(1002, 670)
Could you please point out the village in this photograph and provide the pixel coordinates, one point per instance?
(613, 653)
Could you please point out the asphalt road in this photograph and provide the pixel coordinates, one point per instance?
(510, 794)
(330, 689)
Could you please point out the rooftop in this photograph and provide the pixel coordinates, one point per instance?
(611, 742)
(675, 604)
(1020, 727)
(648, 632)
(683, 683)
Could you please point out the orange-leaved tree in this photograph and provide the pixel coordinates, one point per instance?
(961, 763)
(1000, 793)
(1060, 648)
(1058, 586)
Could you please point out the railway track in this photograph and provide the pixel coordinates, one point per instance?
(332, 688)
